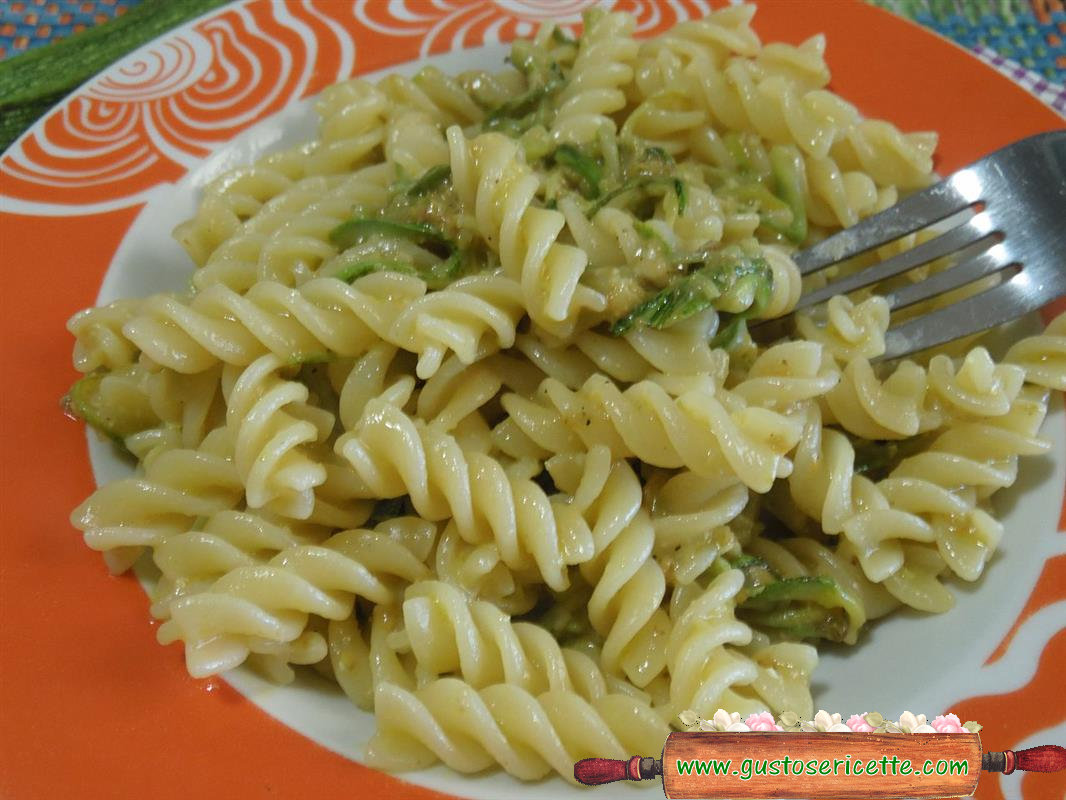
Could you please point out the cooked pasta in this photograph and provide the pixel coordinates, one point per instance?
(449, 633)
(461, 409)
(251, 608)
(711, 436)
(528, 735)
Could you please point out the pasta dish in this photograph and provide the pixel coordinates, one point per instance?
(469, 409)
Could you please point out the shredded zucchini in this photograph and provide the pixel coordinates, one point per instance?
(643, 182)
(437, 275)
(804, 607)
(586, 168)
(84, 400)
(727, 274)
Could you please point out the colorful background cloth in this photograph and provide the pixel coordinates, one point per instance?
(1024, 39)
(26, 24)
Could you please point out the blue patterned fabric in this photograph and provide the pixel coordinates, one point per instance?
(25, 24)
(1028, 33)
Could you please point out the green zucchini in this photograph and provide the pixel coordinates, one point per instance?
(32, 82)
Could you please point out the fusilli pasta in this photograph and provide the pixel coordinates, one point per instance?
(461, 409)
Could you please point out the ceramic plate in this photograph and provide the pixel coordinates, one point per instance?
(92, 706)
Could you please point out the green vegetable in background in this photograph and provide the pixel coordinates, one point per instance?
(36, 80)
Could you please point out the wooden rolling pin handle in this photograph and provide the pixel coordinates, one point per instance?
(1045, 758)
(597, 771)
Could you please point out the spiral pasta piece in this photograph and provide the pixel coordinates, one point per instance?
(782, 107)
(848, 167)
(440, 97)
(252, 608)
(696, 430)
(786, 285)
(595, 88)
(353, 118)
(912, 400)
(874, 409)
(825, 486)
(269, 421)
(395, 455)
(235, 197)
(472, 317)
(529, 736)
(353, 115)
(684, 506)
(976, 388)
(478, 570)
(323, 316)
(787, 375)
(490, 177)
(851, 330)
(193, 561)
(925, 516)
(122, 517)
(414, 143)
(718, 35)
(190, 561)
(702, 669)
(833, 196)
(357, 118)
(683, 349)
(625, 607)
(1043, 357)
(99, 342)
(288, 239)
(360, 658)
(979, 456)
(783, 674)
(448, 633)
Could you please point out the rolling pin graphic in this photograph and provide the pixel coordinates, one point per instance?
(819, 766)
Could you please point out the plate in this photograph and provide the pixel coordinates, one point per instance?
(93, 706)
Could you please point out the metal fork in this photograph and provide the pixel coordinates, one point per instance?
(1019, 193)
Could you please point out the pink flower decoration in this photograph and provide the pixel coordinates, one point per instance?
(763, 721)
(859, 724)
(948, 724)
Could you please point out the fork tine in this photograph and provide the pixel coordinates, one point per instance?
(974, 230)
(1001, 304)
(961, 274)
(921, 209)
